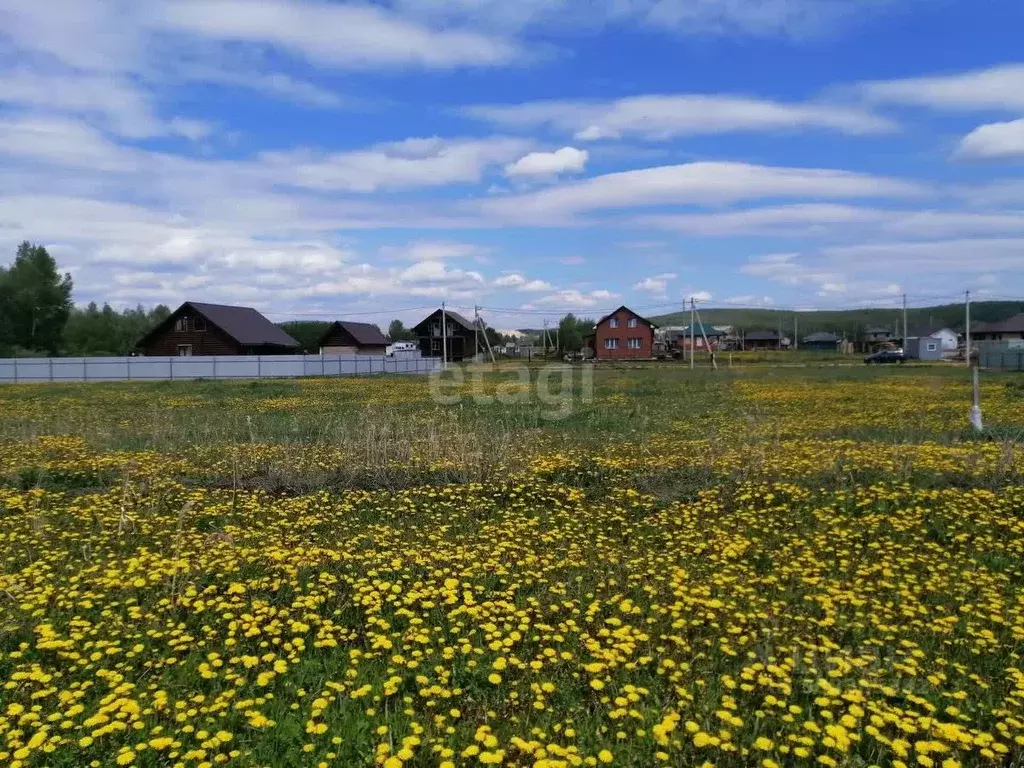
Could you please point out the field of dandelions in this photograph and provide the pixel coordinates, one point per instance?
(759, 567)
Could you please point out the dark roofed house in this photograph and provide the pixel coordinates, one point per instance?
(1001, 331)
(822, 340)
(199, 329)
(681, 338)
(346, 338)
(764, 340)
(461, 335)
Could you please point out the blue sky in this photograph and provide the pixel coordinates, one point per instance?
(333, 159)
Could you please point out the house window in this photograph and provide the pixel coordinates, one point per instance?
(611, 343)
(613, 323)
(932, 346)
(184, 350)
(632, 322)
(435, 345)
(199, 324)
(636, 343)
(181, 324)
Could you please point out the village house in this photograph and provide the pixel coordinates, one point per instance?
(876, 337)
(755, 340)
(199, 329)
(1001, 331)
(823, 341)
(714, 337)
(622, 335)
(461, 335)
(347, 338)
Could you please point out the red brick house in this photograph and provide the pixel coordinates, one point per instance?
(198, 329)
(622, 335)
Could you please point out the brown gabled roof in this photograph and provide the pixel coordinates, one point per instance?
(452, 317)
(244, 324)
(365, 334)
(1014, 324)
(634, 314)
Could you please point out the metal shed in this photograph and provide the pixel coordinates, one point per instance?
(923, 348)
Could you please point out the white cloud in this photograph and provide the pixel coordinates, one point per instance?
(108, 59)
(521, 283)
(996, 140)
(574, 299)
(700, 296)
(816, 219)
(433, 250)
(663, 117)
(693, 183)
(564, 160)
(658, 284)
(244, 74)
(788, 269)
(947, 256)
(750, 300)
(572, 261)
(437, 272)
(333, 34)
(763, 18)
(114, 102)
(828, 280)
(999, 88)
(412, 163)
(846, 271)
(61, 142)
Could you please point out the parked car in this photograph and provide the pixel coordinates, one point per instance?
(886, 356)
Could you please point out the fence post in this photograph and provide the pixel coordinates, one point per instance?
(215, 366)
(85, 369)
(15, 370)
(128, 365)
(172, 369)
(50, 359)
(259, 366)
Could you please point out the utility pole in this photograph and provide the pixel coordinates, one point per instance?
(707, 344)
(796, 331)
(478, 324)
(967, 326)
(693, 349)
(476, 331)
(444, 338)
(904, 324)
(780, 331)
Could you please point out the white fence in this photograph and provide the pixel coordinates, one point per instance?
(19, 370)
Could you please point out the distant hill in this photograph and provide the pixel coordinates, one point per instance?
(847, 321)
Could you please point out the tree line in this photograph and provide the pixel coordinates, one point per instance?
(38, 316)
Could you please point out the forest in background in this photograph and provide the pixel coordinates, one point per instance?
(850, 322)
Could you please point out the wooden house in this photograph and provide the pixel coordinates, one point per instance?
(461, 335)
(347, 338)
(1001, 331)
(764, 340)
(822, 341)
(196, 328)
